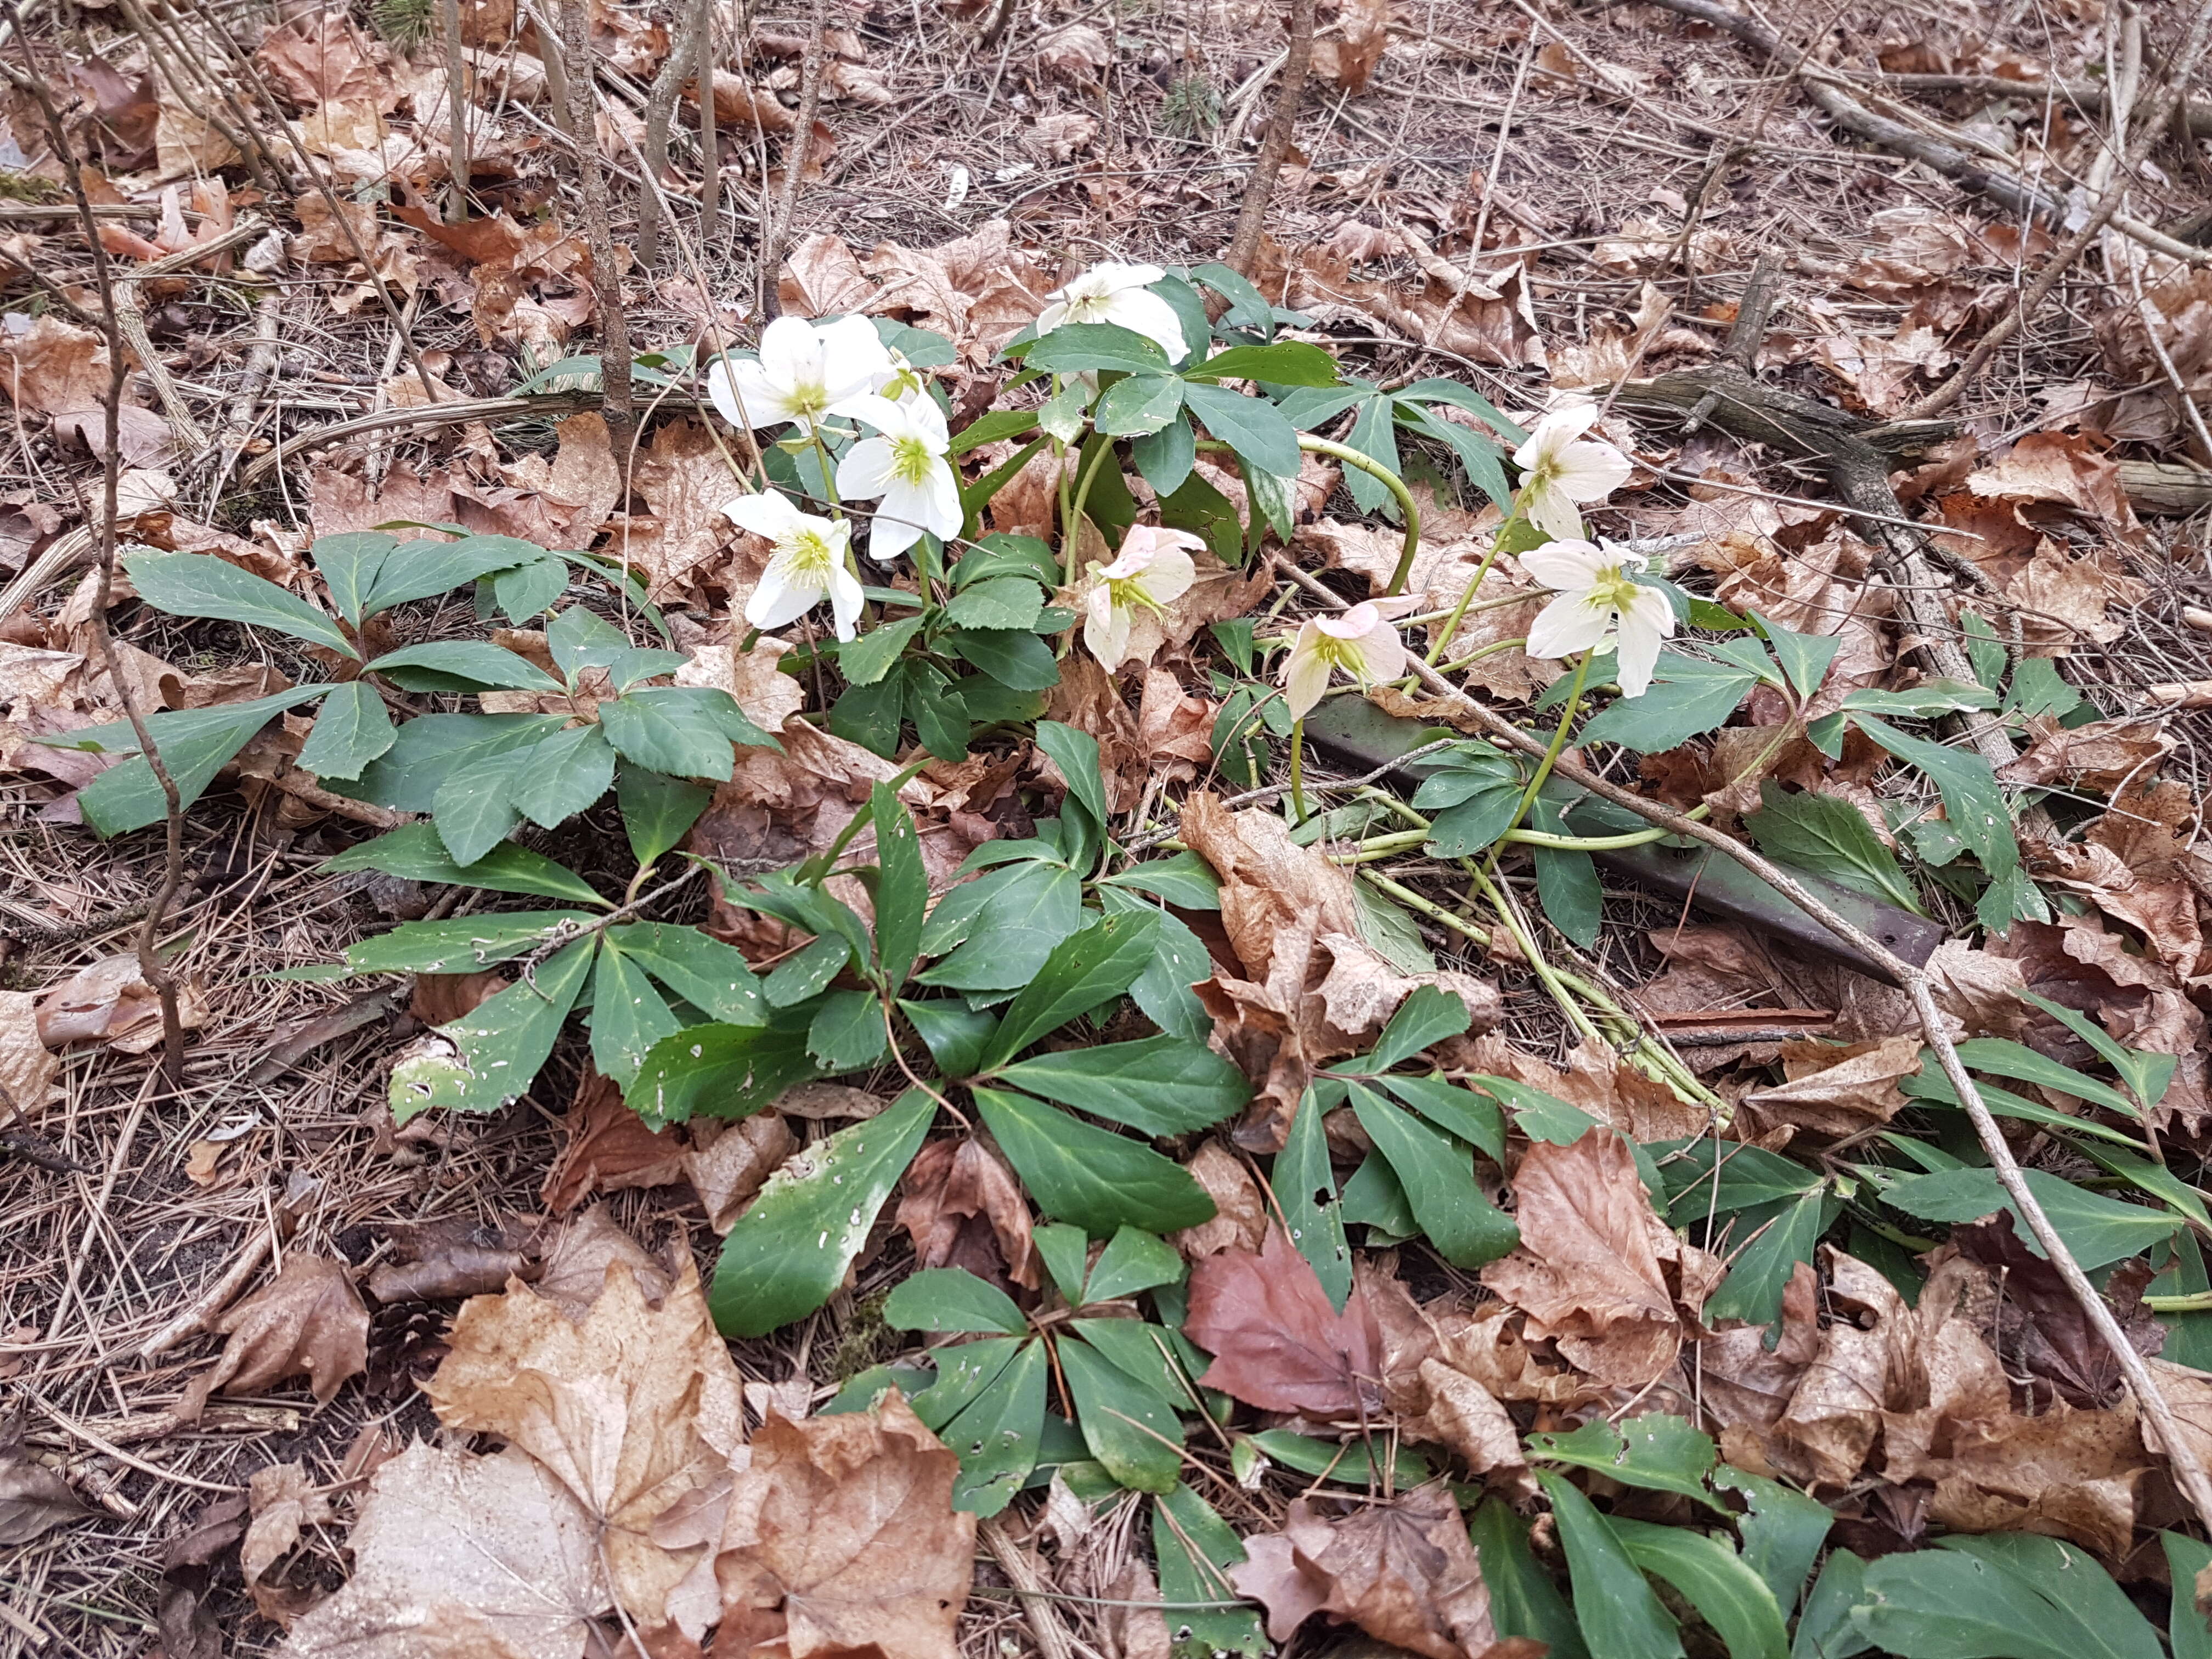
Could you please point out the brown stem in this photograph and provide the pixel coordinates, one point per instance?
(710, 146)
(150, 965)
(606, 276)
(796, 156)
(1275, 148)
(659, 112)
(457, 97)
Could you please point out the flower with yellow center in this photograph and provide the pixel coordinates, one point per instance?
(905, 464)
(806, 373)
(811, 561)
(1121, 294)
(1560, 468)
(1152, 570)
(1598, 596)
(1363, 642)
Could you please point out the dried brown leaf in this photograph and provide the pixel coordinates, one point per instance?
(33, 1499)
(1240, 1213)
(306, 1322)
(1838, 1090)
(962, 1206)
(285, 1501)
(27, 1067)
(608, 1148)
(841, 1541)
(727, 1170)
(1276, 1341)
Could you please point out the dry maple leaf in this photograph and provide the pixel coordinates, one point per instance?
(1593, 1267)
(629, 1410)
(1276, 1341)
(1363, 28)
(1403, 1571)
(306, 1322)
(841, 1541)
(2039, 1326)
(285, 1501)
(576, 1264)
(459, 1557)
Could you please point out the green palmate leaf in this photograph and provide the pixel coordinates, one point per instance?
(195, 743)
(1657, 1452)
(804, 973)
(1248, 307)
(1620, 1616)
(2186, 1557)
(1073, 348)
(464, 944)
(1098, 1180)
(1305, 1187)
(2023, 1065)
(1065, 1251)
(348, 563)
(628, 1016)
(1018, 661)
(2103, 1622)
(1474, 1118)
(1195, 1548)
(1269, 493)
(1287, 362)
(1196, 506)
(415, 852)
(1523, 1600)
(1688, 699)
(1477, 456)
(848, 1031)
(202, 584)
(418, 568)
(1932, 1088)
(1923, 701)
(953, 1033)
(1759, 1271)
(1459, 397)
(1128, 1426)
(902, 889)
(1438, 1178)
(995, 427)
(1162, 1086)
(474, 809)
(1252, 427)
(1783, 1534)
(686, 730)
(1425, 1018)
(1374, 434)
(657, 810)
(1829, 836)
(461, 665)
(1566, 881)
(998, 602)
(490, 1055)
(528, 591)
(1374, 1198)
(1140, 404)
(351, 729)
(1001, 555)
(951, 1299)
(1082, 972)
(579, 640)
(789, 1252)
(1347, 1462)
(1939, 1604)
(999, 1435)
(1825, 1630)
(1140, 1350)
(2098, 1231)
(1715, 1580)
(433, 748)
(965, 1373)
(1805, 658)
(1706, 1178)
(865, 660)
(1075, 752)
(718, 1071)
(1183, 880)
(712, 976)
(641, 663)
(1132, 1260)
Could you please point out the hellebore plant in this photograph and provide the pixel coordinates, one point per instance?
(811, 560)
(1560, 469)
(905, 464)
(1363, 642)
(805, 374)
(1121, 294)
(1153, 569)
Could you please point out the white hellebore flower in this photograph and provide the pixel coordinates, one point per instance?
(1597, 597)
(905, 464)
(1118, 294)
(1152, 570)
(809, 560)
(1362, 641)
(1559, 468)
(806, 373)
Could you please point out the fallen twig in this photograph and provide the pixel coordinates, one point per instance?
(796, 155)
(131, 320)
(444, 414)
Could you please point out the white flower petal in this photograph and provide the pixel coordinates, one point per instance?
(767, 513)
(1554, 432)
(895, 528)
(1547, 507)
(780, 598)
(746, 396)
(866, 470)
(1144, 313)
(1570, 624)
(1591, 471)
(789, 355)
(845, 599)
(1566, 564)
(1381, 654)
(1167, 576)
(1640, 633)
(1305, 673)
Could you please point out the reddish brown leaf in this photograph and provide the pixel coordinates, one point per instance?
(306, 1322)
(962, 1208)
(1276, 1341)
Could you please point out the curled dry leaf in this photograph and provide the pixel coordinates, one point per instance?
(629, 1410)
(1276, 1341)
(464, 1558)
(33, 1499)
(576, 1265)
(2039, 1328)
(727, 1170)
(962, 1208)
(841, 1541)
(1838, 1091)
(1240, 1213)
(608, 1148)
(27, 1067)
(111, 1002)
(306, 1322)
(284, 1502)
(1404, 1571)
(1597, 1270)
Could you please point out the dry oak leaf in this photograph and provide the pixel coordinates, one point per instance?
(1838, 1090)
(1269, 882)
(630, 1410)
(2039, 1326)
(841, 1541)
(459, 1557)
(1404, 1571)
(61, 371)
(306, 1322)
(1277, 1341)
(1594, 1264)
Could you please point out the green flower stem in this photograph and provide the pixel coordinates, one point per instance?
(829, 473)
(1473, 586)
(1391, 482)
(1544, 766)
(1298, 769)
(1474, 657)
(2190, 1302)
(1074, 526)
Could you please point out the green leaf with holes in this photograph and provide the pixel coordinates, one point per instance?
(490, 1055)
